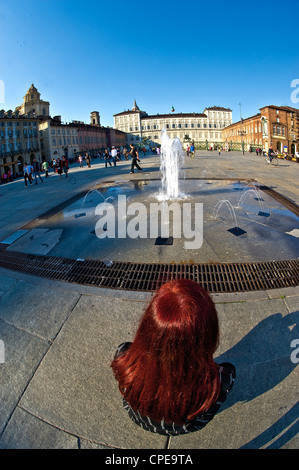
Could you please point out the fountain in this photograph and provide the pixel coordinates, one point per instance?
(224, 202)
(172, 160)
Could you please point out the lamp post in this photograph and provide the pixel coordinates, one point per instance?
(241, 133)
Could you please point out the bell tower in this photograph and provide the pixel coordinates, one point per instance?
(33, 104)
(95, 118)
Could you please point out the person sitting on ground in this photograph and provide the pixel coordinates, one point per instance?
(167, 376)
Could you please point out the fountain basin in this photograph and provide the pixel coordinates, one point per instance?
(267, 229)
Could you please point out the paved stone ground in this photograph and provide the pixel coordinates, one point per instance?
(57, 387)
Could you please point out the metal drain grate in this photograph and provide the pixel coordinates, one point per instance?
(215, 278)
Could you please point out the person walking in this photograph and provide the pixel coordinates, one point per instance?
(59, 165)
(27, 174)
(167, 376)
(65, 165)
(135, 158)
(107, 158)
(46, 169)
(30, 171)
(80, 158)
(88, 159)
(114, 155)
(192, 150)
(125, 153)
(36, 171)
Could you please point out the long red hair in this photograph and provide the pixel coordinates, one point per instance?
(168, 372)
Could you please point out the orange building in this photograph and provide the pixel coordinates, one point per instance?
(246, 134)
(275, 126)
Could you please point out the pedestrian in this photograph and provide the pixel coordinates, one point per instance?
(107, 158)
(46, 169)
(167, 376)
(30, 171)
(125, 153)
(27, 174)
(187, 150)
(192, 150)
(135, 158)
(36, 171)
(65, 165)
(80, 158)
(88, 159)
(114, 155)
(59, 165)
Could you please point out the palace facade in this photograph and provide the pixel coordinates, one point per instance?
(202, 128)
(19, 141)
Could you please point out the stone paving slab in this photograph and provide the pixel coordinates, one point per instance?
(23, 353)
(74, 388)
(40, 312)
(25, 431)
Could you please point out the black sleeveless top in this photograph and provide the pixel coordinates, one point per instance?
(134, 153)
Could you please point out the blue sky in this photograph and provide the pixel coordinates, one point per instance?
(101, 55)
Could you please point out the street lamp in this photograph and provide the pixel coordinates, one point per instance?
(242, 133)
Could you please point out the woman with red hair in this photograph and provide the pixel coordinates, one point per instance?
(167, 376)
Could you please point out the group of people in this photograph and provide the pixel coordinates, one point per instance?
(32, 171)
(114, 155)
(87, 158)
(60, 166)
(190, 150)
